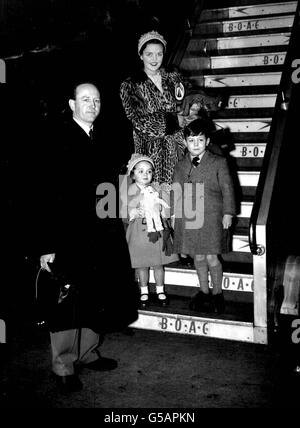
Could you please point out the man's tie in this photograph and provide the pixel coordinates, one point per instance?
(196, 161)
(91, 134)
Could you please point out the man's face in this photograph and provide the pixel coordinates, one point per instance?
(86, 106)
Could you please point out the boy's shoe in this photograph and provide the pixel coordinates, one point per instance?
(201, 302)
(218, 303)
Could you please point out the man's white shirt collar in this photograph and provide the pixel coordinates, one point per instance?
(82, 125)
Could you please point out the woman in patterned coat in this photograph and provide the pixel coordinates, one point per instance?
(149, 101)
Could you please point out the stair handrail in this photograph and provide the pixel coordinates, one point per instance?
(185, 34)
(261, 206)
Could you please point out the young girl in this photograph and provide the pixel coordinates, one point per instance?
(203, 208)
(146, 248)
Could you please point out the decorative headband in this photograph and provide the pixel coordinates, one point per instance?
(152, 35)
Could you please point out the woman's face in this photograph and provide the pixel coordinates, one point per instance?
(142, 173)
(152, 57)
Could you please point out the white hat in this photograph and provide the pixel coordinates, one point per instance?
(135, 159)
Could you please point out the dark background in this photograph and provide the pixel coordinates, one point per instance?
(48, 45)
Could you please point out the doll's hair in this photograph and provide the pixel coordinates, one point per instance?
(197, 127)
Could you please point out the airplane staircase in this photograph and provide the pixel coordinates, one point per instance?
(240, 49)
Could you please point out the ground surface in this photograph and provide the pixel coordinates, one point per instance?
(156, 370)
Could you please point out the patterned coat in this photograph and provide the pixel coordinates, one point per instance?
(152, 115)
(202, 234)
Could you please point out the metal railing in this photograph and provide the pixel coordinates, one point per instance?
(261, 207)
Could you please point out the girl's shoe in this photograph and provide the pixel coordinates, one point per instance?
(144, 301)
(162, 299)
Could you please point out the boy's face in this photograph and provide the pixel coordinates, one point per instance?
(196, 144)
(142, 173)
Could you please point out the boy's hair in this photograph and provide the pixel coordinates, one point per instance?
(197, 127)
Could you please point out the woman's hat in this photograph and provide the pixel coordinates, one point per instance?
(135, 159)
(152, 35)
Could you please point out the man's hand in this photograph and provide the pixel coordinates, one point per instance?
(45, 259)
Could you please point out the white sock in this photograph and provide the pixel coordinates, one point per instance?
(160, 289)
(144, 290)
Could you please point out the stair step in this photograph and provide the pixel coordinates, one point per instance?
(246, 209)
(198, 326)
(247, 11)
(233, 61)
(243, 113)
(248, 151)
(249, 137)
(251, 101)
(246, 164)
(219, 4)
(189, 278)
(240, 80)
(235, 26)
(241, 258)
(248, 178)
(244, 125)
(240, 42)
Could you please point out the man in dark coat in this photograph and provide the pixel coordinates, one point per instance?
(79, 276)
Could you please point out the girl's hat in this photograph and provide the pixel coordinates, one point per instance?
(135, 159)
(152, 35)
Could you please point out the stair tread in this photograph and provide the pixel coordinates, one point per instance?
(240, 90)
(221, 34)
(225, 19)
(234, 311)
(244, 113)
(236, 52)
(211, 37)
(219, 4)
(230, 267)
(257, 70)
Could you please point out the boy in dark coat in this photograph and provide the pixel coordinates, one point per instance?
(204, 205)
